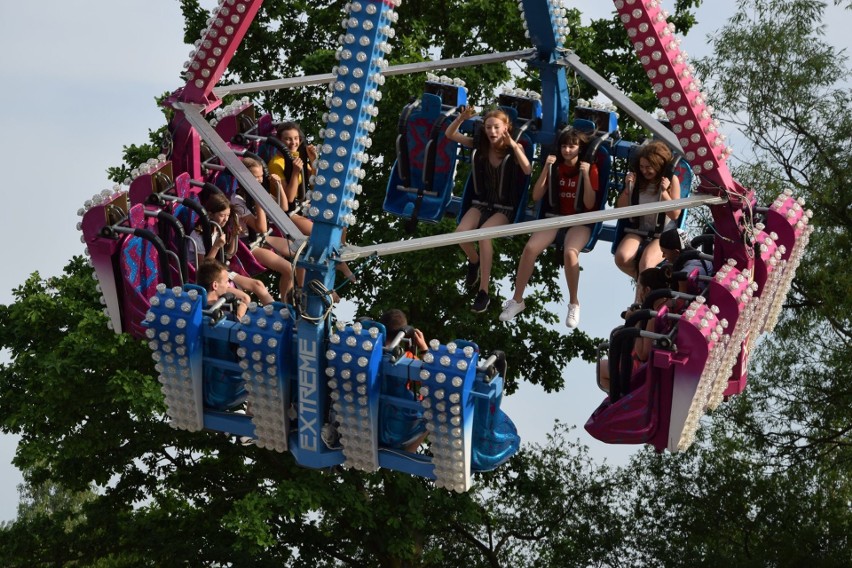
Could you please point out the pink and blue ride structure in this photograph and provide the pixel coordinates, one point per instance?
(292, 379)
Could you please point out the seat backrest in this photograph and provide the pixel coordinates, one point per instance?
(227, 182)
(403, 156)
(679, 167)
(514, 183)
(603, 160)
(422, 177)
(244, 261)
(139, 262)
(184, 214)
(265, 125)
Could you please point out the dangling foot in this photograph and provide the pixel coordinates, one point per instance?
(511, 308)
(573, 318)
(480, 304)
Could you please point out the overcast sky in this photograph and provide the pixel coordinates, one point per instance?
(79, 79)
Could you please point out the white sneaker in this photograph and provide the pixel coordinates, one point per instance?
(573, 319)
(511, 308)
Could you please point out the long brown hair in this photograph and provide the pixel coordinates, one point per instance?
(658, 155)
(216, 203)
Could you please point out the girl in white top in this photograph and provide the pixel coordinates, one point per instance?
(638, 251)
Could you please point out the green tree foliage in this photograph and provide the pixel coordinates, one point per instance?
(796, 107)
(723, 505)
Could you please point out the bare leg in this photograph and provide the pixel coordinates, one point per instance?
(469, 221)
(302, 223)
(575, 239)
(532, 250)
(280, 245)
(255, 287)
(626, 253)
(272, 261)
(651, 256)
(486, 251)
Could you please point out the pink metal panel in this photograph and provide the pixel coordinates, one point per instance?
(213, 52)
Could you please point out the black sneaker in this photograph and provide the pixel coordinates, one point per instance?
(471, 279)
(480, 304)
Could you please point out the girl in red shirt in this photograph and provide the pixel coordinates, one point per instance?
(570, 171)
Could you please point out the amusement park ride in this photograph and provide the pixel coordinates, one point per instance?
(336, 394)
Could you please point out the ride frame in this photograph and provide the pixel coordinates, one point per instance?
(355, 85)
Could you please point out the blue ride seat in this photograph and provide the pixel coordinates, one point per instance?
(514, 183)
(223, 384)
(401, 420)
(421, 181)
(677, 166)
(597, 152)
(495, 437)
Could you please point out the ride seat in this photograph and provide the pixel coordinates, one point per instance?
(143, 266)
(677, 166)
(421, 182)
(597, 152)
(514, 183)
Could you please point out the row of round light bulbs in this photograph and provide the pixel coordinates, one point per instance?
(267, 415)
(713, 378)
(442, 399)
(784, 205)
(370, 8)
(597, 105)
(232, 109)
(258, 359)
(175, 377)
(789, 272)
(207, 52)
(692, 85)
(521, 93)
(118, 189)
(557, 11)
(335, 104)
(445, 80)
(350, 400)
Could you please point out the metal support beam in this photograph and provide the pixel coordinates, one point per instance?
(235, 165)
(353, 252)
(406, 68)
(640, 115)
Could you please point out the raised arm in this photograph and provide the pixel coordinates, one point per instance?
(540, 187)
(255, 221)
(624, 197)
(520, 155)
(453, 129)
(276, 189)
(589, 174)
(291, 186)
